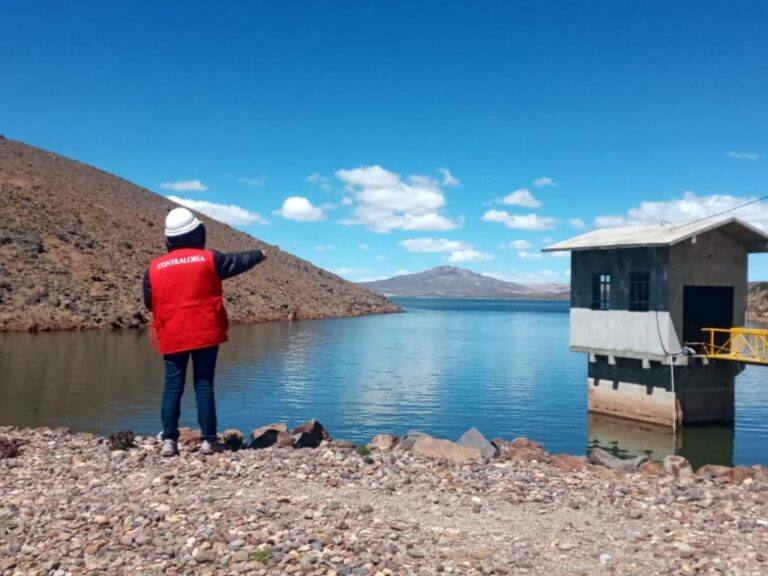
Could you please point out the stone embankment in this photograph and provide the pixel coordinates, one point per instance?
(72, 503)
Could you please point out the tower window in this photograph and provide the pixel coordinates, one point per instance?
(601, 291)
(639, 291)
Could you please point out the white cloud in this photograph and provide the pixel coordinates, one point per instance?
(346, 201)
(468, 256)
(323, 247)
(527, 222)
(560, 254)
(184, 186)
(742, 155)
(459, 251)
(577, 223)
(689, 207)
(227, 213)
(448, 178)
(521, 197)
(301, 209)
(520, 245)
(323, 182)
(544, 181)
(363, 247)
(433, 245)
(253, 182)
(525, 255)
(383, 202)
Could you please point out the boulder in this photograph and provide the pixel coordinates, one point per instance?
(383, 442)
(266, 436)
(600, 457)
(472, 438)
(123, 440)
(411, 437)
(569, 463)
(9, 448)
(233, 439)
(677, 466)
(521, 450)
(446, 450)
(713, 472)
(309, 434)
(761, 472)
(284, 440)
(738, 474)
(189, 437)
(652, 469)
(342, 444)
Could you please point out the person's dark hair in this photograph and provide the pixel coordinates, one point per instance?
(193, 239)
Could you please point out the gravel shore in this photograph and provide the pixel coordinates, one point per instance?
(71, 505)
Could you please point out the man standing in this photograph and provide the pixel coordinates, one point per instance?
(183, 290)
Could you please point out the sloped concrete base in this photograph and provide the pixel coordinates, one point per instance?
(625, 389)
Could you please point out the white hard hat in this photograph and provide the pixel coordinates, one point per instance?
(180, 221)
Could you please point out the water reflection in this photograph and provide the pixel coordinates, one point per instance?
(701, 445)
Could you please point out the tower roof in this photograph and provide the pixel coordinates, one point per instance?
(753, 239)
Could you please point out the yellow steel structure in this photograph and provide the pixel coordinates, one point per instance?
(737, 344)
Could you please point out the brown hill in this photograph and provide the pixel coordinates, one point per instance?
(757, 302)
(75, 241)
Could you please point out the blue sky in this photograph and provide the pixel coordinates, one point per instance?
(376, 138)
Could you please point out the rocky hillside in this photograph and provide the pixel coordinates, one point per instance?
(757, 302)
(75, 241)
(451, 282)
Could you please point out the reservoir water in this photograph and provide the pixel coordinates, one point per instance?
(503, 366)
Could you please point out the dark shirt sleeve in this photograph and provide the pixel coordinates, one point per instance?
(234, 263)
(147, 290)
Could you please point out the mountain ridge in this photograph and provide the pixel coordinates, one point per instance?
(75, 242)
(453, 282)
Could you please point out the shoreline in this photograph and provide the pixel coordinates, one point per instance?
(70, 505)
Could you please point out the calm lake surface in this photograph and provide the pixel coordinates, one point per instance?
(443, 366)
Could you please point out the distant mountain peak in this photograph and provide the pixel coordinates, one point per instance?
(453, 282)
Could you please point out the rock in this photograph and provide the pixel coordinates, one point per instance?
(739, 474)
(761, 472)
(521, 450)
(472, 438)
(600, 457)
(342, 444)
(189, 437)
(266, 436)
(124, 440)
(383, 442)
(713, 472)
(309, 434)
(446, 450)
(677, 466)
(284, 440)
(411, 437)
(233, 439)
(569, 463)
(651, 469)
(9, 448)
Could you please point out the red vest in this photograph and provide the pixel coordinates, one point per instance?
(187, 305)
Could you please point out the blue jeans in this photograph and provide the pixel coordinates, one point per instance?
(203, 367)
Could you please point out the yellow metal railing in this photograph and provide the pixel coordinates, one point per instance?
(737, 344)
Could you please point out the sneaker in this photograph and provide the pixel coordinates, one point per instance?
(169, 448)
(209, 447)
